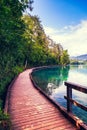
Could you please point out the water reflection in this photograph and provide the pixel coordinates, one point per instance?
(78, 74)
(57, 80)
(79, 68)
(51, 78)
(50, 88)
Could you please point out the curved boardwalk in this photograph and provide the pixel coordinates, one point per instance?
(30, 110)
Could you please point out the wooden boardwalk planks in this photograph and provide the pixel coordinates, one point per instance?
(30, 110)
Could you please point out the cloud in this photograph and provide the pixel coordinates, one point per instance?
(71, 37)
(50, 30)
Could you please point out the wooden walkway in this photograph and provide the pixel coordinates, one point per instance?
(30, 110)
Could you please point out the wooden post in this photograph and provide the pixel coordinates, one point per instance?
(25, 65)
(69, 95)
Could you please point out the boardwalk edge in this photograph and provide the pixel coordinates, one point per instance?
(8, 95)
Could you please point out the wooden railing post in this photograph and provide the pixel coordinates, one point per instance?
(69, 96)
(69, 99)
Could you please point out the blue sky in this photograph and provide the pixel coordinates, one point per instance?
(65, 21)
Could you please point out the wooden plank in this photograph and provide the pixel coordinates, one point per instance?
(30, 110)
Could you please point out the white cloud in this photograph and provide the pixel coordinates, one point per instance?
(73, 38)
(50, 31)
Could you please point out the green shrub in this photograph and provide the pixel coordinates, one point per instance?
(5, 123)
(17, 70)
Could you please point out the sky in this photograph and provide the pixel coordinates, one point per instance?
(65, 21)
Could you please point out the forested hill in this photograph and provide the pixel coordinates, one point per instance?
(80, 57)
(40, 49)
(23, 43)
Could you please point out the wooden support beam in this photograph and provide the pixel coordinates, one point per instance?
(76, 87)
(75, 103)
(69, 95)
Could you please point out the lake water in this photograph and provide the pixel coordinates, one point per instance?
(51, 80)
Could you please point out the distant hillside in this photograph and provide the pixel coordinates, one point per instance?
(81, 57)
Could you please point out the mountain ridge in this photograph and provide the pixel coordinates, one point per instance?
(80, 57)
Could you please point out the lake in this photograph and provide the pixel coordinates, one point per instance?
(51, 81)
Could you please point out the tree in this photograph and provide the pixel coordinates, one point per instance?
(65, 58)
(12, 42)
(37, 42)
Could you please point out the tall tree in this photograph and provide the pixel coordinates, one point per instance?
(65, 58)
(37, 43)
(12, 41)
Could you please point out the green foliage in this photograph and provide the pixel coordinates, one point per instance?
(18, 69)
(23, 43)
(37, 50)
(65, 58)
(12, 43)
(11, 30)
(5, 123)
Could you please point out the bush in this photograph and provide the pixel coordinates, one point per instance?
(5, 123)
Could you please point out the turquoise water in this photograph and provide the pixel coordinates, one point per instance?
(51, 80)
